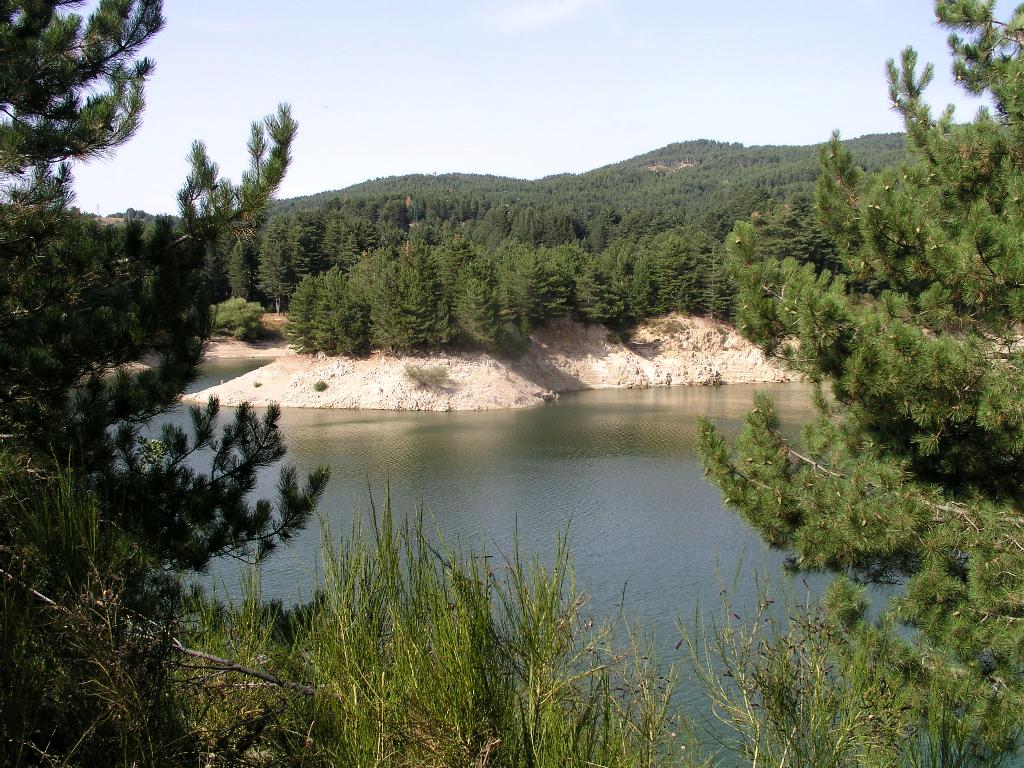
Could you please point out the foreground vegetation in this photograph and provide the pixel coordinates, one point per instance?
(413, 653)
(407, 655)
(913, 472)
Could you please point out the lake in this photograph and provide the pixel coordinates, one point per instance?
(616, 468)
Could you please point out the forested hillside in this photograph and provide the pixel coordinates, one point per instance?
(467, 253)
(681, 180)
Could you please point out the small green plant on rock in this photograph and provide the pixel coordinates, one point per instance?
(320, 385)
(427, 376)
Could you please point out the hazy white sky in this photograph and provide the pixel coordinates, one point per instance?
(515, 87)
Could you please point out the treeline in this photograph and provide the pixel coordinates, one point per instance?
(612, 220)
(416, 296)
(352, 283)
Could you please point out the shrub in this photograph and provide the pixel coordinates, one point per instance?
(238, 318)
(77, 677)
(671, 325)
(257, 384)
(427, 376)
(320, 385)
(419, 655)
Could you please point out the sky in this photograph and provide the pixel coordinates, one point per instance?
(522, 88)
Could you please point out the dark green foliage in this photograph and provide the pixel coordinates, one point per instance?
(529, 289)
(192, 516)
(79, 681)
(329, 314)
(706, 184)
(718, 291)
(423, 297)
(215, 270)
(70, 87)
(302, 328)
(408, 309)
(616, 245)
(81, 302)
(913, 473)
(277, 263)
(792, 229)
(599, 296)
(703, 186)
(695, 190)
(346, 238)
(97, 518)
(306, 236)
(476, 306)
(241, 270)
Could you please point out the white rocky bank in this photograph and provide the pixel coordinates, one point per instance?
(563, 356)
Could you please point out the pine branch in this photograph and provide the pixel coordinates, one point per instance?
(231, 666)
(815, 465)
(226, 665)
(962, 511)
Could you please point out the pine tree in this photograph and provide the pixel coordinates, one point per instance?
(79, 303)
(301, 328)
(476, 305)
(561, 265)
(526, 288)
(306, 235)
(602, 230)
(277, 258)
(717, 291)
(597, 298)
(409, 309)
(215, 269)
(792, 229)
(241, 269)
(345, 239)
(606, 287)
(341, 316)
(914, 472)
(676, 261)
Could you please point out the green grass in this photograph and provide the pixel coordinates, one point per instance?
(424, 656)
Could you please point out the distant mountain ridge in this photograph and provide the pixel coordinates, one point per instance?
(677, 174)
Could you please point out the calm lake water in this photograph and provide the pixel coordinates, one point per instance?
(616, 468)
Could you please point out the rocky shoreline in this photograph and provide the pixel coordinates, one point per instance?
(563, 356)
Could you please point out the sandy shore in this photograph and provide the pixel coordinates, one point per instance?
(232, 349)
(563, 356)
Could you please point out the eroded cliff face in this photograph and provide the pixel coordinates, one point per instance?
(671, 350)
(563, 356)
